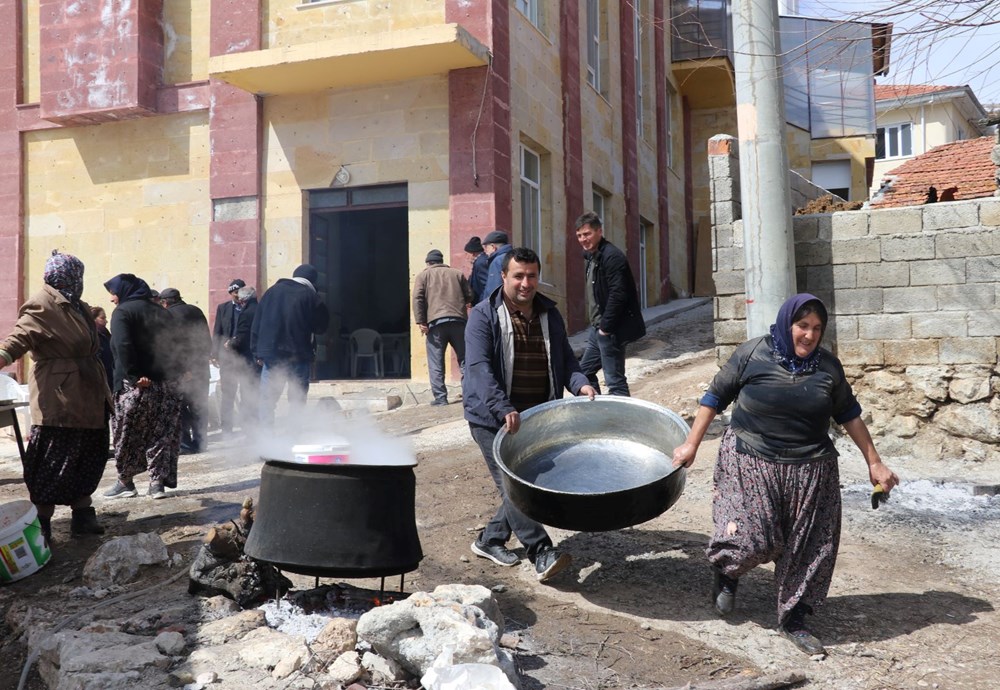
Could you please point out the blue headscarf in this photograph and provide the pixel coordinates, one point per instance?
(782, 347)
(128, 287)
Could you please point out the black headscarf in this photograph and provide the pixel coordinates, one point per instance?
(128, 287)
(783, 349)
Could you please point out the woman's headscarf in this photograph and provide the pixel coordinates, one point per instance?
(64, 272)
(783, 349)
(127, 287)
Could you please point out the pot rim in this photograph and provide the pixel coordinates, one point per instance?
(583, 400)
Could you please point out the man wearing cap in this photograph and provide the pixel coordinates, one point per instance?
(441, 295)
(612, 306)
(480, 268)
(496, 244)
(193, 350)
(289, 313)
(226, 315)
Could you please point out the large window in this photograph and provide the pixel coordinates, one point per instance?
(670, 124)
(531, 199)
(600, 204)
(529, 8)
(594, 44)
(894, 141)
(637, 39)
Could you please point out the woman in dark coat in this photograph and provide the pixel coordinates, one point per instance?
(777, 482)
(68, 441)
(104, 335)
(147, 410)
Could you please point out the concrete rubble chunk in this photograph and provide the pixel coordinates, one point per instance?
(119, 561)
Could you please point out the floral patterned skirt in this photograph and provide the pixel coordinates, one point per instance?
(788, 513)
(147, 432)
(63, 465)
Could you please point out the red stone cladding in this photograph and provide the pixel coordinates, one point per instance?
(630, 155)
(98, 66)
(964, 167)
(479, 185)
(236, 139)
(894, 92)
(11, 175)
(660, 42)
(569, 41)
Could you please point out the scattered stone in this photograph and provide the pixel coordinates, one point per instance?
(170, 643)
(382, 670)
(231, 628)
(339, 636)
(290, 663)
(119, 561)
(346, 669)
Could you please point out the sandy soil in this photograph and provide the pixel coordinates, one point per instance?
(913, 602)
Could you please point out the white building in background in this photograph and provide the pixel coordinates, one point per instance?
(911, 119)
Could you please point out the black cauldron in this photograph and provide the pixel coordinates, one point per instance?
(336, 520)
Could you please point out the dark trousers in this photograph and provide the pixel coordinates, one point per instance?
(194, 413)
(605, 352)
(438, 338)
(508, 518)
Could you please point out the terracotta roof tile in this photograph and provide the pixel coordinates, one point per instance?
(891, 92)
(964, 165)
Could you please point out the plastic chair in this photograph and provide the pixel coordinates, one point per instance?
(366, 343)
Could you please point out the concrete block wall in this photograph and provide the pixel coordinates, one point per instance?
(907, 288)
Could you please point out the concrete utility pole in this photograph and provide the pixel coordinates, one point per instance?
(760, 110)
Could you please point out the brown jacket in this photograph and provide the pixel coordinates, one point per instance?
(67, 381)
(440, 291)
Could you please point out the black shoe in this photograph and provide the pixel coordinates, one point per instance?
(46, 528)
(550, 562)
(122, 490)
(724, 592)
(795, 630)
(156, 489)
(84, 521)
(498, 553)
(187, 449)
(439, 401)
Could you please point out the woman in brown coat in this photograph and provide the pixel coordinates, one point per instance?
(68, 442)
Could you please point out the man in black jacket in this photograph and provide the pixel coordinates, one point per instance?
(248, 376)
(224, 328)
(612, 306)
(281, 338)
(194, 346)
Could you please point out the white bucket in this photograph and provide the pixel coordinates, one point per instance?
(22, 547)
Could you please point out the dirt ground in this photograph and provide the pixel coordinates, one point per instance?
(913, 602)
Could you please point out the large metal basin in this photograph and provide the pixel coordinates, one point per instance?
(593, 465)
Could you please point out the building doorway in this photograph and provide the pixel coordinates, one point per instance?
(359, 243)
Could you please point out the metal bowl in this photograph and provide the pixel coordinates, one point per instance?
(593, 465)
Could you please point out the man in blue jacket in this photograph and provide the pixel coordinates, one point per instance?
(517, 355)
(289, 313)
(497, 245)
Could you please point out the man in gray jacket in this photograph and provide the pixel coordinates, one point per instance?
(441, 296)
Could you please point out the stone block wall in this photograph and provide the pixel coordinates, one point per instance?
(914, 301)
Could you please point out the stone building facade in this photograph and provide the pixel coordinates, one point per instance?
(914, 300)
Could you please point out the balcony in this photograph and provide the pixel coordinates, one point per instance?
(701, 52)
(351, 62)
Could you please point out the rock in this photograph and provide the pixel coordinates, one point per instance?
(382, 670)
(931, 381)
(265, 648)
(970, 389)
(471, 595)
(977, 421)
(72, 659)
(346, 669)
(231, 628)
(214, 608)
(339, 636)
(119, 560)
(170, 643)
(206, 678)
(290, 663)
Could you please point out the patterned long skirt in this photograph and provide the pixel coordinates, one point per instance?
(787, 513)
(62, 466)
(147, 432)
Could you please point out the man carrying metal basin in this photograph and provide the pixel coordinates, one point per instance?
(517, 355)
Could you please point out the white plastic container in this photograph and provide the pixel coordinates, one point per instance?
(336, 452)
(22, 547)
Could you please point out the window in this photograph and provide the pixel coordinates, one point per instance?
(893, 141)
(531, 199)
(833, 176)
(529, 8)
(599, 203)
(594, 44)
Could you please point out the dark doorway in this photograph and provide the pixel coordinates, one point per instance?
(358, 241)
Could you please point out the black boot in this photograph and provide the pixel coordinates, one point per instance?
(723, 592)
(794, 629)
(46, 525)
(84, 521)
